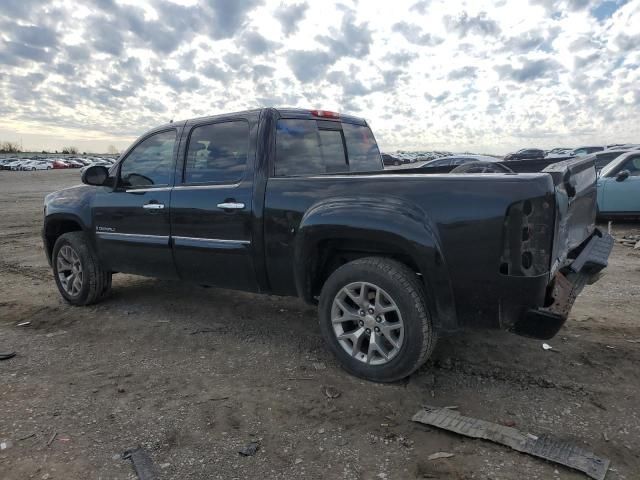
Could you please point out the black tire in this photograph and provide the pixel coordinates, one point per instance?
(408, 293)
(96, 281)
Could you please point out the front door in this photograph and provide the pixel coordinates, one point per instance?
(131, 221)
(211, 204)
(623, 196)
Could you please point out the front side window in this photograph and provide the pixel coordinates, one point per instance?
(217, 153)
(633, 165)
(150, 163)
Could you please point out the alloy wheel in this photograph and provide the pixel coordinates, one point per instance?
(69, 269)
(367, 323)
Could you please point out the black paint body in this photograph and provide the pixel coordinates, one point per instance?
(461, 233)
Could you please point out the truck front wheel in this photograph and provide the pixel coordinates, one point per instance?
(80, 277)
(373, 314)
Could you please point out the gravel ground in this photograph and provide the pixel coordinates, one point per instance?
(193, 374)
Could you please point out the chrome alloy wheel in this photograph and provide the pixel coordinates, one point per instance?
(367, 323)
(69, 270)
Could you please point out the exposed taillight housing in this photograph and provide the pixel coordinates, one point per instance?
(527, 236)
(325, 114)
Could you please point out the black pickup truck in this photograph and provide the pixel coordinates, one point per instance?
(296, 202)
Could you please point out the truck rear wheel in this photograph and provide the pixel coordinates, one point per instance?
(79, 276)
(373, 315)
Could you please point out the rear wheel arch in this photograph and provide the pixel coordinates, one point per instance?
(317, 261)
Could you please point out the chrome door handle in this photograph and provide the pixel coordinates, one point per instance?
(153, 206)
(231, 205)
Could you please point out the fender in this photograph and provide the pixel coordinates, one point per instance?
(60, 217)
(71, 204)
(391, 221)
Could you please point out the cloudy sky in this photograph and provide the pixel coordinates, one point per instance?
(429, 74)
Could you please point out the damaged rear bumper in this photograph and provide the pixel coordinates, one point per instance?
(545, 321)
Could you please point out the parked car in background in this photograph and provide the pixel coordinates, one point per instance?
(390, 160)
(619, 187)
(73, 163)
(60, 164)
(455, 160)
(15, 165)
(36, 165)
(602, 159)
(559, 153)
(582, 151)
(525, 154)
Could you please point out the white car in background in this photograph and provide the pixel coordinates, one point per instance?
(36, 165)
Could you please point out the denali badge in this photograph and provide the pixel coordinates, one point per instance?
(105, 229)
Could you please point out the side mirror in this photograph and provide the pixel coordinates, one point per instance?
(95, 175)
(622, 175)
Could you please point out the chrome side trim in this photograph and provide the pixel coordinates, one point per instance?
(135, 238)
(206, 186)
(209, 242)
(151, 189)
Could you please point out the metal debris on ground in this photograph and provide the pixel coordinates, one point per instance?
(542, 446)
(24, 324)
(250, 449)
(331, 392)
(7, 355)
(52, 438)
(142, 463)
(437, 455)
(630, 240)
(5, 445)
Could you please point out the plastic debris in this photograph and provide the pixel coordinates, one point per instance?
(542, 446)
(5, 445)
(546, 346)
(250, 449)
(142, 463)
(437, 455)
(24, 324)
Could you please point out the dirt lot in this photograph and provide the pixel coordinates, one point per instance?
(193, 374)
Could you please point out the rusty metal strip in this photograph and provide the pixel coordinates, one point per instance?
(542, 446)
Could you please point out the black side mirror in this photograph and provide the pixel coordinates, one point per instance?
(622, 175)
(95, 175)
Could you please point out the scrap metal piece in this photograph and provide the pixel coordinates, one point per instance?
(142, 463)
(542, 446)
(250, 449)
(7, 356)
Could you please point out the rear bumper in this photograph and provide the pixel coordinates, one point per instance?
(545, 321)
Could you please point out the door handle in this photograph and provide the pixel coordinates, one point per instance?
(231, 205)
(153, 206)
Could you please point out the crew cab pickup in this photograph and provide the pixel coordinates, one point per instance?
(297, 202)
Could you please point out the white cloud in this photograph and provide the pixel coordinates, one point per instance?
(482, 76)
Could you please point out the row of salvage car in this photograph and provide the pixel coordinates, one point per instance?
(617, 168)
(52, 163)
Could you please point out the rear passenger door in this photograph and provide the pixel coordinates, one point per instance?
(211, 205)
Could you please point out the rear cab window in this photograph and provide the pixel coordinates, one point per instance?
(316, 147)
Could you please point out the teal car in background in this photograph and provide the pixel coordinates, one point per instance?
(619, 187)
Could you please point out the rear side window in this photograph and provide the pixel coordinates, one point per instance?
(217, 153)
(310, 147)
(362, 148)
